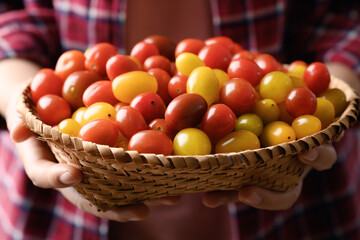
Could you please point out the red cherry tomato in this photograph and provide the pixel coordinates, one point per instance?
(190, 45)
(239, 95)
(76, 84)
(246, 69)
(100, 91)
(300, 101)
(218, 121)
(317, 78)
(243, 54)
(223, 40)
(150, 105)
(165, 45)
(237, 48)
(185, 111)
(177, 85)
(151, 141)
(215, 56)
(142, 50)
(100, 131)
(69, 62)
(97, 56)
(267, 63)
(130, 121)
(159, 124)
(45, 81)
(157, 61)
(162, 78)
(119, 64)
(52, 109)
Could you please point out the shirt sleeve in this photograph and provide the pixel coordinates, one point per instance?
(31, 34)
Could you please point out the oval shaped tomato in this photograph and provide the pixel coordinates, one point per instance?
(317, 77)
(215, 56)
(192, 141)
(191, 45)
(69, 62)
(185, 111)
(52, 109)
(186, 62)
(142, 50)
(157, 61)
(165, 45)
(218, 121)
(159, 124)
(246, 69)
(177, 85)
(300, 101)
(119, 64)
(306, 125)
(277, 132)
(237, 141)
(151, 141)
(100, 91)
(163, 79)
(150, 105)
(98, 110)
(97, 56)
(130, 121)
(100, 131)
(222, 40)
(267, 63)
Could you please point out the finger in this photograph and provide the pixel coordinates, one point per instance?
(218, 198)
(262, 198)
(321, 158)
(169, 200)
(41, 167)
(134, 212)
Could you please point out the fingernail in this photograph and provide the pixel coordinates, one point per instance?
(67, 178)
(310, 155)
(253, 199)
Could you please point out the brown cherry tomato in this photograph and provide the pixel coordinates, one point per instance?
(165, 45)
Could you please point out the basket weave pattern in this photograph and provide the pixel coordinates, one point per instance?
(114, 177)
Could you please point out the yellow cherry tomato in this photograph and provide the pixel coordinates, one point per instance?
(325, 111)
(204, 82)
(297, 82)
(297, 71)
(186, 62)
(78, 114)
(267, 110)
(338, 98)
(275, 85)
(99, 110)
(191, 141)
(306, 125)
(128, 85)
(221, 76)
(69, 126)
(277, 132)
(284, 114)
(250, 122)
(237, 141)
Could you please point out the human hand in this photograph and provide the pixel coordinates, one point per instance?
(320, 158)
(45, 172)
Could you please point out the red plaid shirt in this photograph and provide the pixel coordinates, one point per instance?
(318, 30)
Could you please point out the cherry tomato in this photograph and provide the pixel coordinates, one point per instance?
(190, 45)
(267, 63)
(203, 81)
(249, 122)
(277, 132)
(97, 56)
(150, 105)
(246, 69)
(130, 121)
(185, 111)
(191, 141)
(44, 82)
(237, 48)
(151, 141)
(159, 124)
(98, 110)
(338, 98)
(76, 84)
(276, 86)
(297, 71)
(120, 105)
(128, 85)
(157, 61)
(317, 77)
(325, 111)
(78, 114)
(100, 131)
(306, 125)
(237, 141)
(177, 85)
(165, 45)
(297, 82)
(142, 50)
(119, 64)
(163, 79)
(215, 56)
(243, 54)
(69, 62)
(300, 101)
(100, 91)
(52, 109)
(284, 114)
(267, 109)
(69, 126)
(222, 40)
(296, 63)
(221, 76)
(218, 121)
(239, 95)
(187, 62)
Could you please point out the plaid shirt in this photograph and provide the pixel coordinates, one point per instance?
(313, 30)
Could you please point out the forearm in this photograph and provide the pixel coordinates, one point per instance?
(14, 73)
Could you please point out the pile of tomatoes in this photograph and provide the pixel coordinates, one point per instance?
(191, 98)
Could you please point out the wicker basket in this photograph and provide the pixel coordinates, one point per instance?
(114, 177)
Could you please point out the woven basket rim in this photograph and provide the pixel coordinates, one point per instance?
(248, 157)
